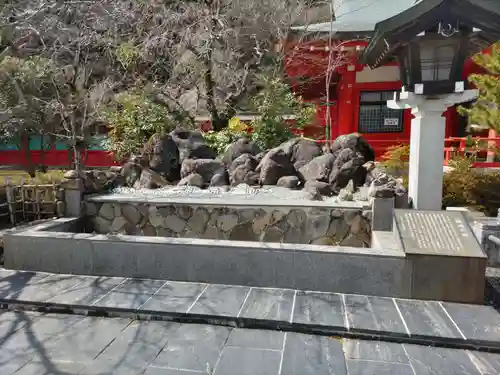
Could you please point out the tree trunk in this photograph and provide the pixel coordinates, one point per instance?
(77, 156)
(25, 144)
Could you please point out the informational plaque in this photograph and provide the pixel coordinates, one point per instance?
(435, 233)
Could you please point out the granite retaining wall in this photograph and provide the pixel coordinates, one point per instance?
(297, 224)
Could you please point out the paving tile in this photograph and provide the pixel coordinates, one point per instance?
(312, 355)
(256, 339)
(373, 313)
(193, 347)
(174, 297)
(92, 335)
(18, 281)
(51, 368)
(375, 351)
(136, 347)
(268, 304)
(46, 288)
(359, 367)
(5, 273)
(486, 363)
(131, 294)
(220, 300)
(475, 321)
(105, 367)
(248, 362)
(88, 291)
(12, 321)
(170, 371)
(427, 318)
(324, 309)
(36, 333)
(427, 360)
(150, 332)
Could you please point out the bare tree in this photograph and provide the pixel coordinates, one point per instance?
(189, 55)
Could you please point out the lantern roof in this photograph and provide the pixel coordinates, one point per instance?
(480, 16)
(358, 16)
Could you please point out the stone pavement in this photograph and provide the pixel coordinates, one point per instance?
(354, 316)
(63, 344)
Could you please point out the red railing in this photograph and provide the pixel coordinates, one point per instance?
(482, 149)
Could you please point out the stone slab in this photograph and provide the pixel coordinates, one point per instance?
(57, 252)
(368, 313)
(475, 321)
(312, 355)
(436, 233)
(56, 368)
(256, 339)
(193, 347)
(486, 363)
(248, 362)
(427, 318)
(169, 371)
(324, 309)
(22, 345)
(268, 304)
(240, 196)
(358, 367)
(378, 351)
(18, 281)
(131, 294)
(93, 336)
(47, 288)
(377, 272)
(105, 367)
(427, 360)
(88, 291)
(448, 278)
(220, 300)
(175, 297)
(150, 332)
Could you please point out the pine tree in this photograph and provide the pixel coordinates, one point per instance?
(485, 112)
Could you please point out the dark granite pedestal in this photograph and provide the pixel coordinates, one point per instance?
(446, 261)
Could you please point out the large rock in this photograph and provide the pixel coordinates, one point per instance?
(242, 170)
(191, 145)
(163, 156)
(355, 142)
(193, 179)
(314, 187)
(274, 165)
(290, 182)
(150, 180)
(130, 173)
(348, 166)
(300, 151)
(207, 168)
(382, 185)
(240, 147)
(318, 168)
(247, 160)
(220, 179)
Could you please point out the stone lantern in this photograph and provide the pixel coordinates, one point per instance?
(431, 41)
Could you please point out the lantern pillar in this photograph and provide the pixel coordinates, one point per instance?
(425, 179)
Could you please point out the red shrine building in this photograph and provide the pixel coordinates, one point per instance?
(322, 62)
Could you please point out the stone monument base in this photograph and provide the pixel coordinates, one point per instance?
(446, 260)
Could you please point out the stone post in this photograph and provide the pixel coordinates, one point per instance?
(11, 202)
(484, 228)
(427, 144)
(73, 194)
(382, 214)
